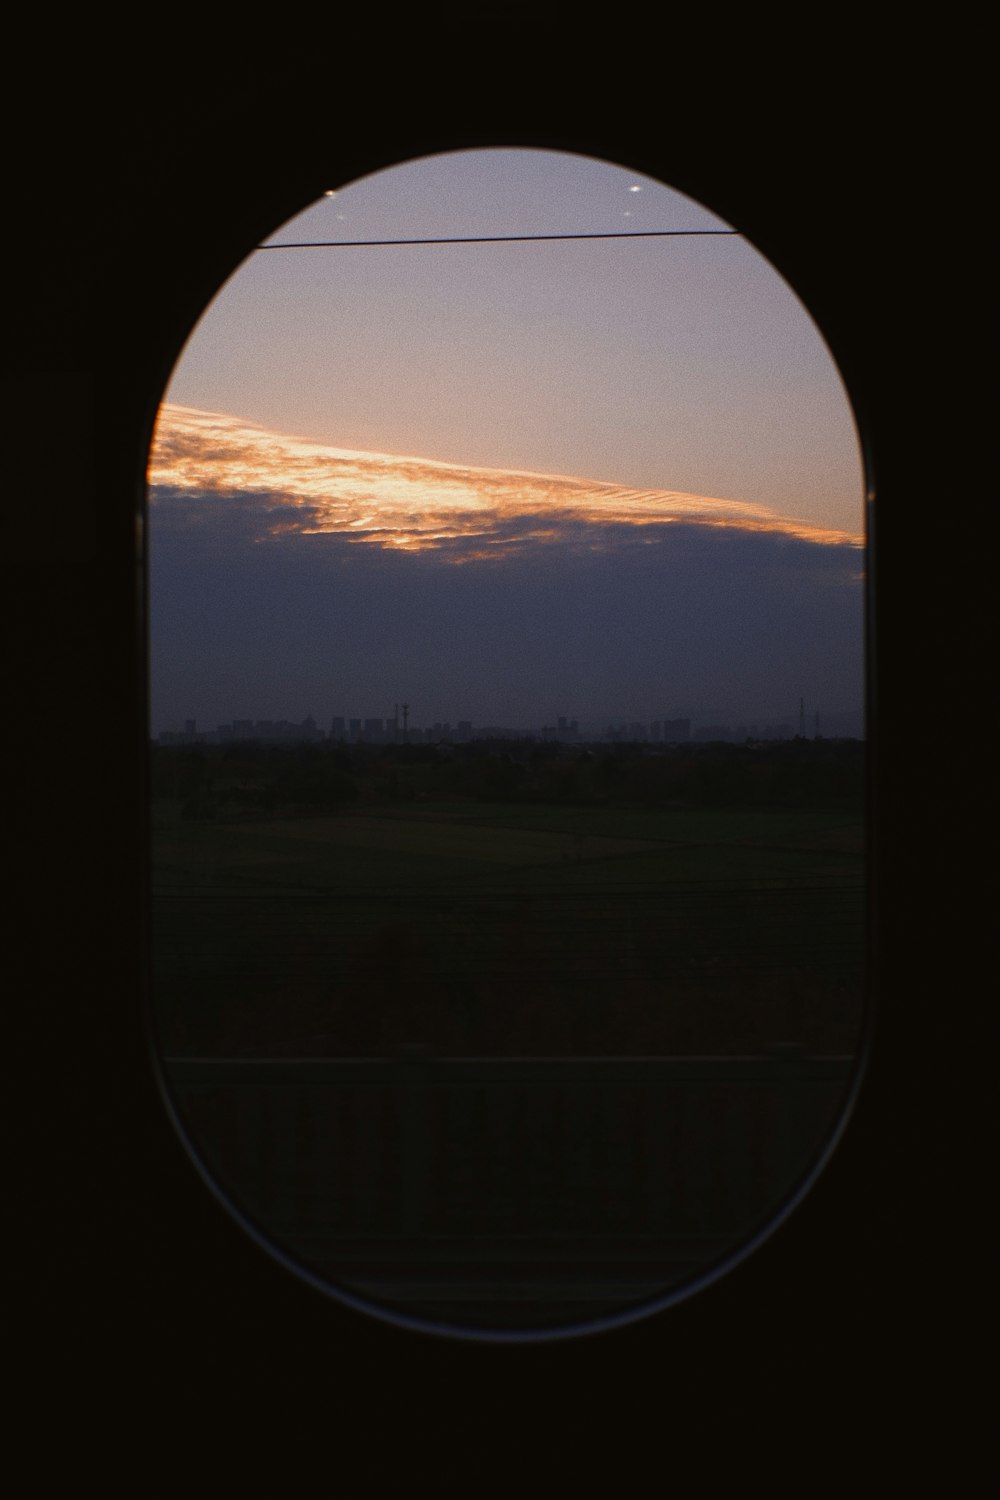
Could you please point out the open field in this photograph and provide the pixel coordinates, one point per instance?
(510, 927)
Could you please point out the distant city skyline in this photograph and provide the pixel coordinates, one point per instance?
(395, 727)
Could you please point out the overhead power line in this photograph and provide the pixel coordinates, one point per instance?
(501, 239)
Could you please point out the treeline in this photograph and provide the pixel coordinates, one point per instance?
(226, 782)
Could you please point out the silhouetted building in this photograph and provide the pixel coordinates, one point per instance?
(676, 731)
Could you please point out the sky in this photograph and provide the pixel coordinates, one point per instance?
(605, 478)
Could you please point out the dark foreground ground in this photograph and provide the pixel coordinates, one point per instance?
(509, 903)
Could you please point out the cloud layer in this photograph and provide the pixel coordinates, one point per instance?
(291, 578)
(287, 484)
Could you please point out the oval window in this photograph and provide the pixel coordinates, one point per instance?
(506, 522)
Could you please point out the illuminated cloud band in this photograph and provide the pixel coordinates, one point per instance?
(418, 504)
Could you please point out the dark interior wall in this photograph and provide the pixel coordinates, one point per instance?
(140, 185)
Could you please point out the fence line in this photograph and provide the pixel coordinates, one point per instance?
(503, 1160)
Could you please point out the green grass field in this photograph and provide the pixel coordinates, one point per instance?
(509, 928)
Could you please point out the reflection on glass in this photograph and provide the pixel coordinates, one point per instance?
(506, 667)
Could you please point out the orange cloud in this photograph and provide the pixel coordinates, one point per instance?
(416, 504)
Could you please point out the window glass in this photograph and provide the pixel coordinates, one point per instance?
(506, 525)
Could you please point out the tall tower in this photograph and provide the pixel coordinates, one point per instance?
(406, 715)
(802, 718)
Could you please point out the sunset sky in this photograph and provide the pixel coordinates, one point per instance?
(601, 478)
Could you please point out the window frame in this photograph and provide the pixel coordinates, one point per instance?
(200, 1273)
